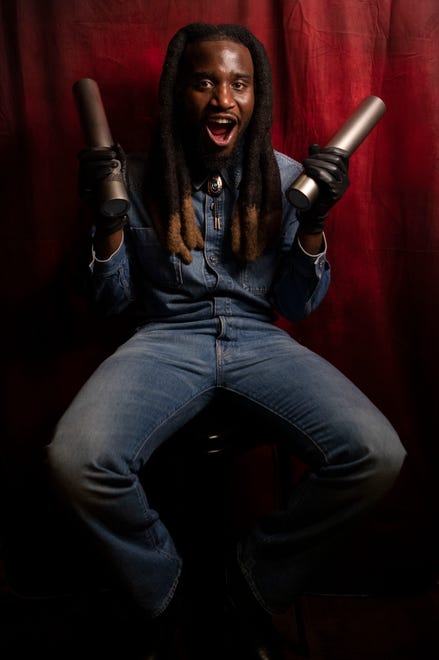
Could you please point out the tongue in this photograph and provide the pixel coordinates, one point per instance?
(220, 133)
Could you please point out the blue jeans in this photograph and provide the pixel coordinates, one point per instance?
(158, 380)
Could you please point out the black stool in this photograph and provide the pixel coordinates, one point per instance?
(207, 458)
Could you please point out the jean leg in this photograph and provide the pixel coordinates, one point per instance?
(136, 399)
(353, 455)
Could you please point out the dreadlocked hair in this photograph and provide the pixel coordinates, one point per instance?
(257, 215)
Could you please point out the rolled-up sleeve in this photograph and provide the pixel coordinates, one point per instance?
(302, 283)
(111, 281)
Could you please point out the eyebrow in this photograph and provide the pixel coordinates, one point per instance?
(211, 74)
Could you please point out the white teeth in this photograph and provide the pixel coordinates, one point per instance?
(222, 121)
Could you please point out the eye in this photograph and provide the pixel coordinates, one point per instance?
(239, 85)
(203, 84)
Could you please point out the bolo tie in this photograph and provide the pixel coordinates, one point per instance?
(214, 189)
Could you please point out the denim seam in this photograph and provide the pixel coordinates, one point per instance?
(272, 411)
(163, 421)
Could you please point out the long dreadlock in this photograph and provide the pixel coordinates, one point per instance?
(257, 215)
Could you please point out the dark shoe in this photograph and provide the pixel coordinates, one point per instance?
(152, 654)
(162, 639)
(253, 626)
(257, 638)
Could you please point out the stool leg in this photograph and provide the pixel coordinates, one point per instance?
(206, 630)
(300, 646)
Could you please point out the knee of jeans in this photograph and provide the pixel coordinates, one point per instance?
(63, 467)
(391, 459)
(71, 464)
(373, 452)
(383, 463)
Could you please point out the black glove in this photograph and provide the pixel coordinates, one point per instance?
(328, 166)
(95, 165)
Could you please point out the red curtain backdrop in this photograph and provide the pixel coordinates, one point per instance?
(379, 322)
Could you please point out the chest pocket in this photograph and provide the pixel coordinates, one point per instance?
(257, 276)
(157, 265)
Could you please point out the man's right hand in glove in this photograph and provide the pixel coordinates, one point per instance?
(95, 165)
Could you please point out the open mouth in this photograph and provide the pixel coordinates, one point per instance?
(221, 130)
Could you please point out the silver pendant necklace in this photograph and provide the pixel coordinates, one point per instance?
(214, 188)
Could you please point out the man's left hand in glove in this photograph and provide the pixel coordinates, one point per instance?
(328, 166)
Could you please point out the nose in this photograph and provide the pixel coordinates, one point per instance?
(223, 96)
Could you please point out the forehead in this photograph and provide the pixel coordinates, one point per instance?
(227, 56)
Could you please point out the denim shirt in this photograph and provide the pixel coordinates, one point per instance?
(284, 281)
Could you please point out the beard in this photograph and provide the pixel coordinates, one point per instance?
(213, 162)
(208, 163)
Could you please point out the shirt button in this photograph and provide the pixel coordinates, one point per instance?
(212, 259)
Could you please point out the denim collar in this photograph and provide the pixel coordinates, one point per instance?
(230, 175)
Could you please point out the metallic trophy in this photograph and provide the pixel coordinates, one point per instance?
(304, 191)
(113, 195)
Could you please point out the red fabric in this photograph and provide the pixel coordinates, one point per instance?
(378, 323)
